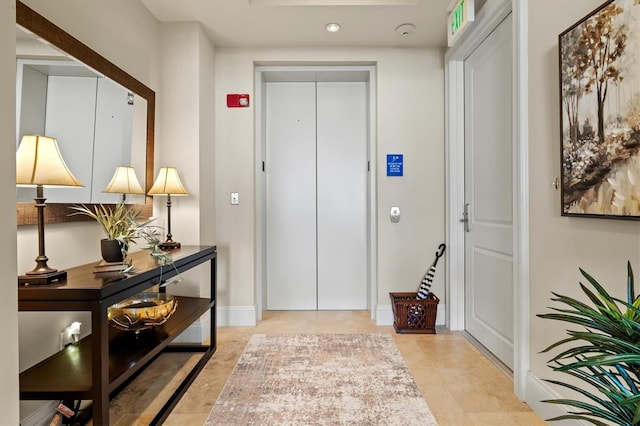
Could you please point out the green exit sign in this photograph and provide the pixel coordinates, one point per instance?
(459, 17)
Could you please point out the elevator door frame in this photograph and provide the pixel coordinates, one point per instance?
(292, 73)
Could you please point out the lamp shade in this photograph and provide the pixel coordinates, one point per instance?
(168, 183)
(124, 181)
(39, 162)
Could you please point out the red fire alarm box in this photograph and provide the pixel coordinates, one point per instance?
(237, 101)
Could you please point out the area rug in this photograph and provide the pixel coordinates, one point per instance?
(323, 379)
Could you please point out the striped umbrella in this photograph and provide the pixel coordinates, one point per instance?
(425, 285)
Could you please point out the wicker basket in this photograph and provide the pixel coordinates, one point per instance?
(413, 315)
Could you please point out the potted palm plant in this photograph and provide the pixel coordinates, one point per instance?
(604, 354)
(119, 223)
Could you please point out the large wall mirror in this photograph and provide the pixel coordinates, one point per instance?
(101, 116)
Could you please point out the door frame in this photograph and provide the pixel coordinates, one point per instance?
(489, 17)
(291, 73)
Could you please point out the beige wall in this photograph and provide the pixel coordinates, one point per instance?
(410, 115)
(206, 77)
(559, 245)
(410, 120)
(177, 61)
(127, 34)
(178, 121)
(185, 123)
(123, 31)
(9, 415)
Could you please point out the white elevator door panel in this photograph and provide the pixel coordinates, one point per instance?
(291, 196)
(70, 117)
(342, 202)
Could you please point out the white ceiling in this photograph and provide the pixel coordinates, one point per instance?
(285, 23)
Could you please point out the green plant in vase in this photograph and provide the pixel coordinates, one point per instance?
(152, 235)
(604, 353)
(119, 222)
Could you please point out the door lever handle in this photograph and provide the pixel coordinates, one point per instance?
(465, 217)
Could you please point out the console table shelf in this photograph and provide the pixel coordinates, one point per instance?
(100, 363)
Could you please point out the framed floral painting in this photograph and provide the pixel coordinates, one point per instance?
(599, 60)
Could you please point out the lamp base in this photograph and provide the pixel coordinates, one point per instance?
(169, 245)
(43, 278)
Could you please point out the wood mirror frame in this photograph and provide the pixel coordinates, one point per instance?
(47, 30)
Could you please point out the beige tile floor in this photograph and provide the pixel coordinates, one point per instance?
(461, 386)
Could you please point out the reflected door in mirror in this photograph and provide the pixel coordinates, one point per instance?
(94, 119)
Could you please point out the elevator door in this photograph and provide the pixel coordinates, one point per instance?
(316, 170)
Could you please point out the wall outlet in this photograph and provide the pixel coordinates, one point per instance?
(70, 335)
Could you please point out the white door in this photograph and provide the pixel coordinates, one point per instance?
(316, 170)
(489, 194)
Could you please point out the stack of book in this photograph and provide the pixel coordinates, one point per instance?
(112, 267)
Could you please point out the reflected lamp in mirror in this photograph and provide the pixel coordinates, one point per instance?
(39, 163)
(124, 181)
(168, 183)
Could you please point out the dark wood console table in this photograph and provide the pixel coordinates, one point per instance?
(99, 364)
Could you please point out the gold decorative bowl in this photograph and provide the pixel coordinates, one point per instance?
(142, 311)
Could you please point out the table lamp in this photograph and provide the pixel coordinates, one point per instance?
(124, 181)
(39, 163)
(168, 183)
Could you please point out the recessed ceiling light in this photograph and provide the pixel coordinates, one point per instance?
(333, 27)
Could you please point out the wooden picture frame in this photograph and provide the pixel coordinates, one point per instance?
(599, 77)
(46, 30)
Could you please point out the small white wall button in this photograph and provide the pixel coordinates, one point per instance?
(395, 214)
(234, 198)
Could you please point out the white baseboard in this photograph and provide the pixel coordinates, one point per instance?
(226, 316)
(247, 315)
(193, 334)
(384, 315)
(41, 415)
(237, 316)
(537, 391)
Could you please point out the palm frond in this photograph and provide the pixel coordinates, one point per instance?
(630, 286)
(604, 355)
(119, 222)
(603, 293)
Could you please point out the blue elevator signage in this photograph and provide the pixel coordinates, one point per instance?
(394, 164)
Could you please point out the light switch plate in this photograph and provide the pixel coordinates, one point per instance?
(234, 199)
